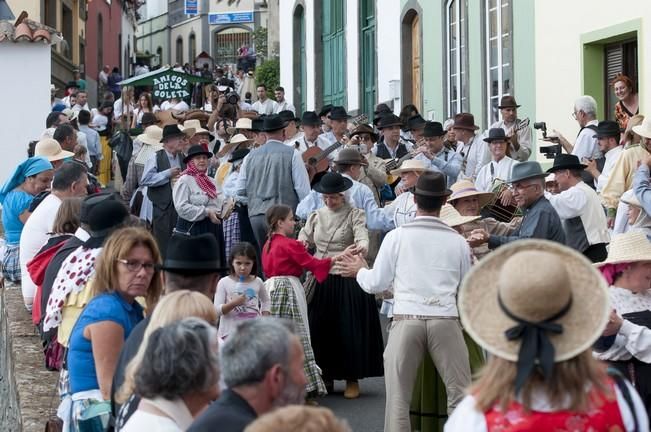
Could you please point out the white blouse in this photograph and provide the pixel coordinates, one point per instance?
(500, 170)
(402, 210)
(632, 340)
(191, 203)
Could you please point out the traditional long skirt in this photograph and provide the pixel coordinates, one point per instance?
(104, 173)
(201, 227)
(429, 403)
(288, 301)
(345, 330)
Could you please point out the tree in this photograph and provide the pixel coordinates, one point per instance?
(268, 73)
(260, 42)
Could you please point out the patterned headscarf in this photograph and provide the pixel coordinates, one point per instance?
(205, 183)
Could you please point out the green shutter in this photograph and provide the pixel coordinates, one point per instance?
(367, 56)
(334, 52)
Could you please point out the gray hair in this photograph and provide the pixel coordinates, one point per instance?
(180, 358)
(587, 104)
(255, 347)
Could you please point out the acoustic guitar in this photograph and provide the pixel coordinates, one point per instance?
(316, 160)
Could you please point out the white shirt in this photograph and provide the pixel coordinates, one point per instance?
(35, 235)
(586, 146)
(422, 283)
(476, 155)
(500, 170)
(78, 107)
(267, 107)
(402, 210)
(284, 106)
(304, 144)
(466, 417)
(612, 156)
(524, 139)
(118, 109)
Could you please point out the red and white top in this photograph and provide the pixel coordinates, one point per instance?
(613, 415)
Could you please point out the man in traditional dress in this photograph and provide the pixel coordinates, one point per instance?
(519, 136)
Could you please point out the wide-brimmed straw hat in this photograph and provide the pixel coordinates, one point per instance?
(152, 135)
(238, 139)
(632, 246)
(644, 129)
(409, 165)
(50, 149)
(466, 188)
(195, 124)
(241, 124)
(453, 218)
(534, 286)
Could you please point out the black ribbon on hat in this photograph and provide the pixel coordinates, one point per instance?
(535, 345)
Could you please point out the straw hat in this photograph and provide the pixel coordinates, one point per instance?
(195, 125)
(239, 139)
(521, 275)
(629, 198)
(466, 188)
(453, 218)
(645, 128)
(241, 123)
(51, 149)
(632, 246)
(152, 135)
(412, 165)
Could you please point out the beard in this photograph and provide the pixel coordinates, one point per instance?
(292, 394)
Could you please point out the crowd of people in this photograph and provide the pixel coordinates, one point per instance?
(237, 273)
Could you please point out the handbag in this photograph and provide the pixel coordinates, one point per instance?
(53, 423)
(310, 281)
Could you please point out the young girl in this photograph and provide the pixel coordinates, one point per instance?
(241, 295)
(284, 260)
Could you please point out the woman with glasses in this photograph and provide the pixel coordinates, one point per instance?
(126, 270)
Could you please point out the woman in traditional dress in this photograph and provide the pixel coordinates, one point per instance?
(284, 260)
(344, 321)
(537, 307)
(626, 342)
(196, 200)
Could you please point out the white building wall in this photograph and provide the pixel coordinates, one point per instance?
(559, 53)
(184, 29)
(388, 49)
(33, 97)
(352, 55)
(286, 48)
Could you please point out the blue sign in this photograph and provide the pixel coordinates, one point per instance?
(191, 7)
(230, 18)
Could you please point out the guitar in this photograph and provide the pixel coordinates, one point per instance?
(316, 160)
(392, 164)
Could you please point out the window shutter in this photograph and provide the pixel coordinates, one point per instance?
(614, 61)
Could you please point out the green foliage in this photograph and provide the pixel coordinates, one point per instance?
(268, 73)
(260, 42)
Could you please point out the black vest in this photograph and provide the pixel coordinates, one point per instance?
(383, 151)
(161, 196)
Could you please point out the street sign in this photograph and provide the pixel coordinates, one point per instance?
(191, 7)
(230, 18)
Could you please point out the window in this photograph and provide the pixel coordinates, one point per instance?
(192, 48)
(159, 56)
(619, 58)
(179, 50)
(100, 42)
(228, 44)
(499, 54)
(66, 16)
(456, 15)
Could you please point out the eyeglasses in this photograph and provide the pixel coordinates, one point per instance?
(135, 266)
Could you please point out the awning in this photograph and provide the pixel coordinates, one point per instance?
(162, 75)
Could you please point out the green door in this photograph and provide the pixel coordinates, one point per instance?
(334, 54)
(367, 56)
(302, 104)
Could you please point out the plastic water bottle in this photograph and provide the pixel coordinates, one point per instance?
(240, 287)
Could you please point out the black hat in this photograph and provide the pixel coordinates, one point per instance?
(256, 124)
(388, 121)
(91, 201)
(273, 123)
(332, 183)
(196, 150)
(381, 109)
(72, 84)
(325, 110)
(310, 118)
(607, 129)
(193, 255)
(338, 113)
(433, 129)
(171, 131)
(364, 128)
(239, 154)
(416, 122)
(508, 102)
(379, 115)
(288, 116)
(431, 184)
(496, 134)
(350, 156)
(104, 218)
(566, 161)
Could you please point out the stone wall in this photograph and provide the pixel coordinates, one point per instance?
(26, 387)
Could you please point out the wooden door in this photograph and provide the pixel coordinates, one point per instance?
(415, 63)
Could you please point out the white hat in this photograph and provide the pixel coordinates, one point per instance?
(196, 125)
(239, 139)
(632, 246)
(242, 123)
(51, 149)
(412, 165)
(629, 198)
(644, 129)
(152, 135)
(453, 218)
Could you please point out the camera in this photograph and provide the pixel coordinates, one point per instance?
(550, 151)
(232, 97)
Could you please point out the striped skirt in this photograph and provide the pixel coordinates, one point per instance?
(11, 263)
(288, 301)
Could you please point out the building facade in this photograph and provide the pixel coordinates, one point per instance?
(153, 34)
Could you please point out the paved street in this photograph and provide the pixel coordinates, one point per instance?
(365, 414)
